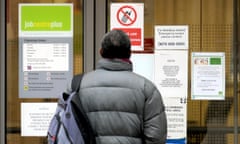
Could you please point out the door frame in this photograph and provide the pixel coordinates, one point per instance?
(2, 70)
(95, 26)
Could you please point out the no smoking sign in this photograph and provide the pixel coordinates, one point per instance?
(126, 15)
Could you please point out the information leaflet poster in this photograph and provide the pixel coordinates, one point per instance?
(208, 76)
(36, 117)
(45, 49)
(171, 77)
(171, 74)
(176, 109)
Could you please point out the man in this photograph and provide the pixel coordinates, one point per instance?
(123, 107)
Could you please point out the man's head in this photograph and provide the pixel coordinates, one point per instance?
(116, 44)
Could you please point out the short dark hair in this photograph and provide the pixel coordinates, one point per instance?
(116, 44)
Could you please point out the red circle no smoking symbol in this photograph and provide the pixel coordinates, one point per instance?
(126, 15)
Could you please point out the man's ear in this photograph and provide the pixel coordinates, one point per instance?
(101, 51)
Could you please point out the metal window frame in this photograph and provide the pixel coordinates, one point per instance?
(88, 35)
(95, 26)
(235, 64)
(2, 71)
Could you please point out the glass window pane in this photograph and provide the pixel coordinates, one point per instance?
(13, 112)
(210, 30)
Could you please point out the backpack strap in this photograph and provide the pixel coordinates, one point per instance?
(76, 82)
(79, 113)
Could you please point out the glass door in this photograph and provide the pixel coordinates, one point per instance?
(14, 114)
(211, 29)
(210, 26)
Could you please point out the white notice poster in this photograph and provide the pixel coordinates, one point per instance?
(171, 74)
(46, 57)
(176, 110)
(208, 76)
(171, 37)
(35, 118)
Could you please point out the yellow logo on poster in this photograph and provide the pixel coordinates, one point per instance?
(26, 88)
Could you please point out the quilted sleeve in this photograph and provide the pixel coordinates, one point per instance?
(155, 122)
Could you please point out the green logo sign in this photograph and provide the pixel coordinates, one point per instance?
(46, 17)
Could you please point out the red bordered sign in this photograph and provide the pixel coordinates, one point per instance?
(126, 15)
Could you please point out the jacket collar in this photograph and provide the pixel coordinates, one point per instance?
(115, 64)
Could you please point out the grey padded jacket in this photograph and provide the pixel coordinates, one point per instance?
(123, 107)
